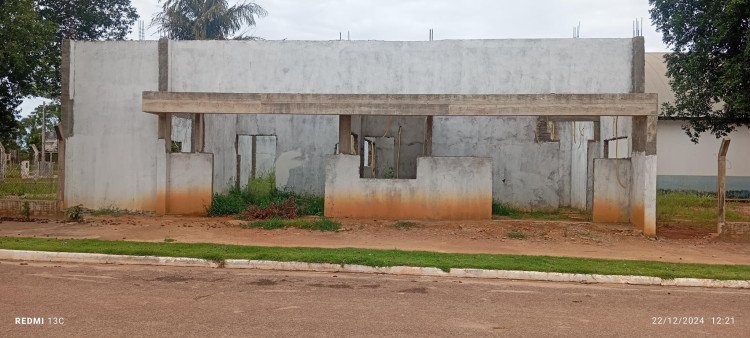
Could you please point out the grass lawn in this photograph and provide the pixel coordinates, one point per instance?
(43, 188)
(693, 208)
(371, 257)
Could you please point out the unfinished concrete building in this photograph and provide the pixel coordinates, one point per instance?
(397, 129)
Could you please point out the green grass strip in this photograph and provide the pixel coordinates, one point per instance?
(320, 224)
(370, 257)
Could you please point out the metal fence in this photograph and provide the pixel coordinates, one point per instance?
(28, 177)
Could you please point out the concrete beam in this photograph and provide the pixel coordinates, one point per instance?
(585, 105)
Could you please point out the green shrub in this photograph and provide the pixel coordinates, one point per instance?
(262, 194)
(26, 210)
(75, 213)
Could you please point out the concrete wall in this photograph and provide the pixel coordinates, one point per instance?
(190, 183)
(110, 153)
(380, 67)
(689, 166)
(445, 188)
(113, 155)
(612, 180)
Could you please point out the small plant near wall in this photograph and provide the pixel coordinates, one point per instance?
(75, 213)
(26, 210)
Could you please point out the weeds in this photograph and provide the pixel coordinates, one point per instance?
(26, 210)
(402, 225)
(320, 224)
(261, 194)
(75, 213)
(168, 240)
(505, 210)
(516, 234)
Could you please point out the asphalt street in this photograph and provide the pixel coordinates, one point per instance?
(110, 300)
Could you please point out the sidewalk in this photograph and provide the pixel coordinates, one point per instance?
(549, 238)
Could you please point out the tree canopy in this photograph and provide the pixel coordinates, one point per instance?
(206, 19)
(32, 32)
(709, 68)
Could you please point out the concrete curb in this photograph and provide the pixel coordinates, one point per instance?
(69, 257)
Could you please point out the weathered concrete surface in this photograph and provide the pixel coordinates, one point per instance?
(445, 188)
(524, 173)
(108, 73)
(436, 67)
(612, 181)
(643, 193)
(190, 181)
(110, 156)
(402, 104)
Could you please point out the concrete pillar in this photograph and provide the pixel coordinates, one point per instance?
(165, 133)
(643, 183)
(345, 134)
(428, 137)
(198, 132)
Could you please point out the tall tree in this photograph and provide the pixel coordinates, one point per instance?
(85, 21)
(24, 35)
(709, 68)
(31, 125)
(206, 19)
(32, 31)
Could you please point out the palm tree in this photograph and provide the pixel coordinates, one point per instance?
(205, 19)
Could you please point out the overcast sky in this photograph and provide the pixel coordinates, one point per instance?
(411, 20)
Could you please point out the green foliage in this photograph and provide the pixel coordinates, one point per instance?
(261, 188)
(205, 19)
(320, 224)
(370, 257)
(31, 125)
(75, 213)
(32, 32)
(502, 209)
(516, 234)
(710, 65)
(88, 20)
(26, 210)
(25, 36)
(261, 192)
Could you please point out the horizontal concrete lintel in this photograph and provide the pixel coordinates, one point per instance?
(584, 105)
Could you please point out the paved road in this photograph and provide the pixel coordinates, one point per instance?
(107, 300)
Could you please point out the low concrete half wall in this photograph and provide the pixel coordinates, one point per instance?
(190, 183)
(612, 181)
(445, 188)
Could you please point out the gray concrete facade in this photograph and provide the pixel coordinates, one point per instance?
(107, 79)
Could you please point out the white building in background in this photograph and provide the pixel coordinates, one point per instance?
(684, 165)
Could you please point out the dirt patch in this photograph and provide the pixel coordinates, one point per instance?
(263, 282)
(683, 231)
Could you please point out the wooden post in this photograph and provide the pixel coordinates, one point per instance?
(722, 183)
(345, 134)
